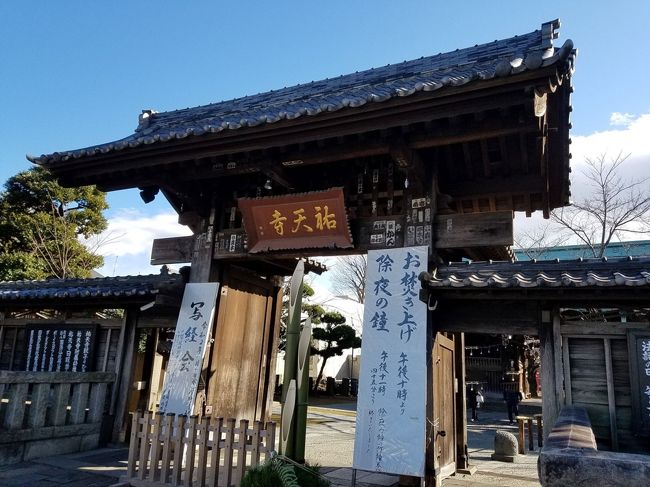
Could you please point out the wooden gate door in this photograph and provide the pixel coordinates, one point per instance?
(242, 368)
(444, 411)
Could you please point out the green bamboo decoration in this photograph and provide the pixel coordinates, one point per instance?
(303, 391)
(291, 357)
(287, 430)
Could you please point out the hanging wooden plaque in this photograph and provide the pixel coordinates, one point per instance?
(296, 221)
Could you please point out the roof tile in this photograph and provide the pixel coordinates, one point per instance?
(581, 273)
(500, 58)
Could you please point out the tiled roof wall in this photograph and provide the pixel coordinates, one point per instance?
(537, 274)
(86, 288)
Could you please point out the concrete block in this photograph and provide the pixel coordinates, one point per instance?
(58, 446)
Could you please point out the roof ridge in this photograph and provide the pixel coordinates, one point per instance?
(495, 59)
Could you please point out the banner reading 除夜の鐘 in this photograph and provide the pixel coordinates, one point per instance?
(391, 407)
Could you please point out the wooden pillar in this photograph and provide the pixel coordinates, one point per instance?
(557, 359)
(201, 270)
(550, 403)
(202, 253)
(430, 473)
(124, 372)
(462, 458)
(430, 454)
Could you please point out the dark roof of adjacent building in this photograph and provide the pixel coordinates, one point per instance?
(498, 59)
(581, 273)
(93, 289)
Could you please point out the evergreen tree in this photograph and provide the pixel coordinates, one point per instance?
(337, 337)
(42, 224)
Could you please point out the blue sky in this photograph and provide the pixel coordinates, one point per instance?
(78, 73)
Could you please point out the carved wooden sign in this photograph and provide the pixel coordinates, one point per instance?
(173, 250)
(473, 230)
(296, 221)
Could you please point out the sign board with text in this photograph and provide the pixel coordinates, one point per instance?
(639, 360)
(60, 348)
(391, 406)
(296, 221)
(193, 327)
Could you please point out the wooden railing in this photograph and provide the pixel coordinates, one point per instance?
(40, 406)
(177, 450)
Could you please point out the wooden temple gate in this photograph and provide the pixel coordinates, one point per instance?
(593, 320)
(438, 151)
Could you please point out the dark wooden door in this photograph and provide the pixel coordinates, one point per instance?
(242, 374)
(444, 394)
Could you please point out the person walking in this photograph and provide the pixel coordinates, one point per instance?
(473, 403)
(512, 401)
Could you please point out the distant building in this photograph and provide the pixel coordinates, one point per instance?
(635, 248)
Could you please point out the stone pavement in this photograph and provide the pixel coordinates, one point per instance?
(95, 468)
(480, 440)
(330, 442)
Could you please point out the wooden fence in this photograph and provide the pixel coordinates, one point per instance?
(180, 451)
(42, 412)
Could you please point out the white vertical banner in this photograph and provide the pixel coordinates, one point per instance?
(193, 327)
(391, 406)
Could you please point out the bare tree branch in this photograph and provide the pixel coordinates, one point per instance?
(349, 276)
(537, 243)
(614, 206)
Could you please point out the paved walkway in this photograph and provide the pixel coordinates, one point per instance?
(330, 442)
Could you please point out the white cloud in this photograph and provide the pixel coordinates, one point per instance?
(617, 119)
(126, 244)
(632, 139)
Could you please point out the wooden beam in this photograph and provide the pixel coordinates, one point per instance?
(424, 142)
(482, 187)
(467, 159)
(473, 230)
(371, 117)
(124, 360)
(21, 377)
(599, 328)
(485, 317)
(557, 362)
(487, 171)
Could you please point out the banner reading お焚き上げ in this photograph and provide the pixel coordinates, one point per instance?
(190, 340)
(391, 407)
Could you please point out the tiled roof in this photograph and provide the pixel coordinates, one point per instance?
(581, 273)
(94, 288)
(498, 59)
